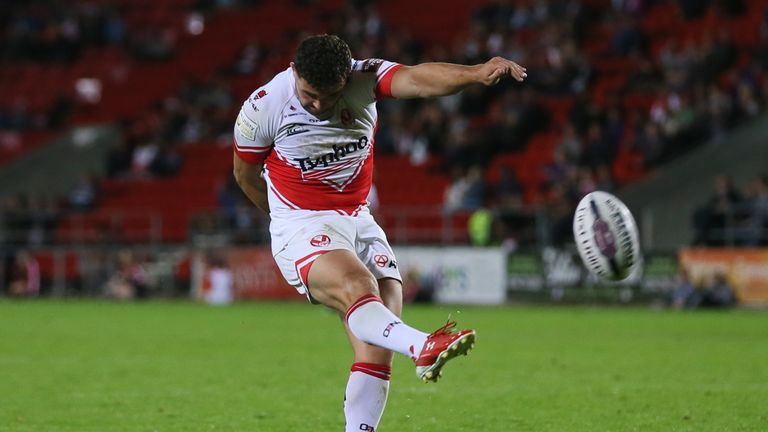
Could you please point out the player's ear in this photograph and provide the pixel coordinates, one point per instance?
(295, 72)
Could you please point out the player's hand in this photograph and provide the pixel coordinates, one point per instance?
(498, 68)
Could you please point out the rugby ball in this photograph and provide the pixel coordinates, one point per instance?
(606, 236)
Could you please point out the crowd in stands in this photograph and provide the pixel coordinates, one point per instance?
(52, 31)
(201, 111)
(700, 88)
(714, 292)
(733, 216)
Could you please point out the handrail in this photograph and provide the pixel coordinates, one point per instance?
(39, 228)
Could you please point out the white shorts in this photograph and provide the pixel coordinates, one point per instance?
(303, 236)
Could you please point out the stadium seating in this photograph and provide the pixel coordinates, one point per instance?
(131, 87)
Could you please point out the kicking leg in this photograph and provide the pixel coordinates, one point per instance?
(339, 280)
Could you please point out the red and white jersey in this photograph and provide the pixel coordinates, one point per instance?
(314, 163)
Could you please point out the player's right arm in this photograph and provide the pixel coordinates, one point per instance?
(249, 179)
(254, 138)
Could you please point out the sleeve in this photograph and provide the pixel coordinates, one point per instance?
(253, 137)
(384, 71)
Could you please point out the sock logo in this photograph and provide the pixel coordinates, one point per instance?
(365, 427)
(390, 327)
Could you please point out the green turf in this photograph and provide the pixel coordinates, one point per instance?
(88, 366)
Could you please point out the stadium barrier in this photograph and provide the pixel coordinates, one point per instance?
(449, 274)
(459, 274)
(745, 269)
(255, 275)
(558, 274)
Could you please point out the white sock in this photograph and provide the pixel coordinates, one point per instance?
(366, 396)
(371, 322)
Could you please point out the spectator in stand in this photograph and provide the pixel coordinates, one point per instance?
(249, 59)
(603, 179)
(646, 76)
(152, 44)
(466, 192)
(454, 195)
(720, 293)
(24, 280)
(570, 145)
(129, 280)
(83, 194)
(558, 170)
(474, 196)
(629, 37)
(559, 209)
(218, 287)
(711, 220)
(509, 191)
(650, 142)
(757, 221)
(684, 295)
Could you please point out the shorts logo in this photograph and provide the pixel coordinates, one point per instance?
(381, 260)
(321, 240)
(365, 427)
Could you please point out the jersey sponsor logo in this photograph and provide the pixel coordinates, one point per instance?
(246, 127)
(320, 240)
(338, 153)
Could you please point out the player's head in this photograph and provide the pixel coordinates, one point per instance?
(322, 67)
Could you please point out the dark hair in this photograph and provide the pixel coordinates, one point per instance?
(324, 61)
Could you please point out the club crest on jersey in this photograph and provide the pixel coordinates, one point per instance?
(320, 240)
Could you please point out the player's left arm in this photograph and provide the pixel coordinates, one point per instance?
(441, 79)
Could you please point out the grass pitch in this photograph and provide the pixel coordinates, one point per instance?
(90, 366)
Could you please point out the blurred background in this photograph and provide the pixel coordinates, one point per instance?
(115, 146)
